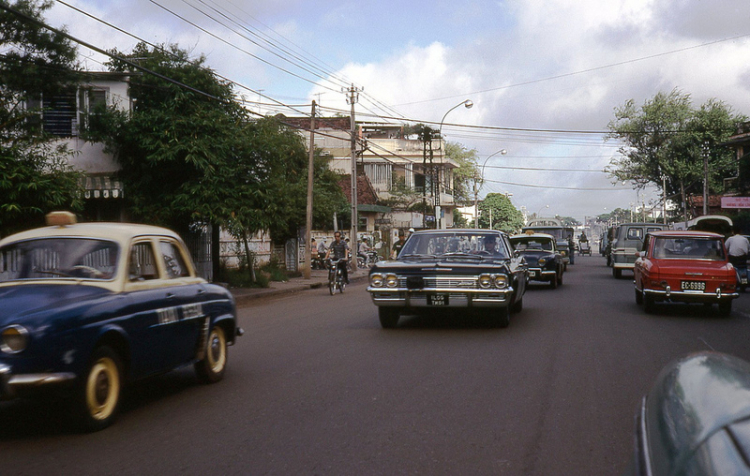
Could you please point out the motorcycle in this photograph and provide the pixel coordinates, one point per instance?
(335, 276)
(317, 261)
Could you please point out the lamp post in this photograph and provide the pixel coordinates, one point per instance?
(468, 104)
(540, 210)
(476, 191)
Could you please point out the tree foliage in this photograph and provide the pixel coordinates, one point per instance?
(465, 175)
(498, 208)
(190, 158)
(666, 140)
(34, 174)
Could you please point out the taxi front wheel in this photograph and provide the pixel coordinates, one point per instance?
(97, 398)
(211, 368)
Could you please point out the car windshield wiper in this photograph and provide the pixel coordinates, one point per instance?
(416, 256)
(462, 255)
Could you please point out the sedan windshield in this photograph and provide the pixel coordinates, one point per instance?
(59, 258)
(455, 245)
(689, 248)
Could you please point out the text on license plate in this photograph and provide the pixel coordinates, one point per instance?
(693, 285)
(437, 299)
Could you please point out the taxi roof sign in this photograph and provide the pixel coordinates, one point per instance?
(60, 218)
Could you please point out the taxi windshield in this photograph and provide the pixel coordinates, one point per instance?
(59, 258)
(531, 244)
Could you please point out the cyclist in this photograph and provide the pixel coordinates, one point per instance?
(340, 251)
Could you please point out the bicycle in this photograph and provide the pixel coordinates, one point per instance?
(335, 276)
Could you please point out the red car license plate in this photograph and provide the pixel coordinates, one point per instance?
(437, 299)
(693, 285)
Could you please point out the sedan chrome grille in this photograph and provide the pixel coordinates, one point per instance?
(434, 282)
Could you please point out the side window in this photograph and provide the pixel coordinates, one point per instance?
(173, 260)
(142, 262)
(635, 233)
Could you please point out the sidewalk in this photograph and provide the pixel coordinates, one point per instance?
(318, 279)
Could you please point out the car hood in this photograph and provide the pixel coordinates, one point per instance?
(533, 256)
(26, 300)
(440, 266)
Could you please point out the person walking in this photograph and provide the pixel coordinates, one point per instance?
(398, 245)
(738, 248)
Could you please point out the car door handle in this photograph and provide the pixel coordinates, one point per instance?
(170, 295)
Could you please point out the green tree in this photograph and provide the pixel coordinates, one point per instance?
(465, 175)
(190, 154)
(498, 208)
(459, 220)
(35, 177)
(664, 142)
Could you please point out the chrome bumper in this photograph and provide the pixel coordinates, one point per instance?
(457, 297)
(689, 296)
(10, 384)
(540, 274)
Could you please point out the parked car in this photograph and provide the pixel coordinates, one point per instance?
(542, 257)
(466, 270)
(685, 266)
(695, 420)
(88, 308)
(628, 240)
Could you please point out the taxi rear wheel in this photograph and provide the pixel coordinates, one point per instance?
(638, 297)
(97, 399)
(211, 369)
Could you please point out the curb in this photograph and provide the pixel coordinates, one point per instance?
(244, 296)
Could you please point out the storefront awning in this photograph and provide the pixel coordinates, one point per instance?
(373, 208)
(101, 187)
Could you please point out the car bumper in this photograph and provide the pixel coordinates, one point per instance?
(538, 274)
(456, 298)
(11, 385)
(690, 296)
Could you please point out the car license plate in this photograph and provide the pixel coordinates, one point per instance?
(693, 286)
(532, 274)
(437, 299)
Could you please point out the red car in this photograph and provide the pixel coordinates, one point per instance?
(685, 266)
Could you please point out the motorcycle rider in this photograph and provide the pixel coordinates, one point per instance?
(738, 248)
(362, 249)
(340, 251)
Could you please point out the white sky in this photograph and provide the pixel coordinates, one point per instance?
(558, 65)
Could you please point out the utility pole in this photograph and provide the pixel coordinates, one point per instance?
(309, 215)
(351, 100)
(705, 178)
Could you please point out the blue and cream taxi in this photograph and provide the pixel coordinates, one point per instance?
(542, 257)
(90, 307)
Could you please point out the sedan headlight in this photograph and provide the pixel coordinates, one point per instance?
(542, 261)
(376, 280)
(485, 281)
(14, 339)
(391, 280)
(501, 281)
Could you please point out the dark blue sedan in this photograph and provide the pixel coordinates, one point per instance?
(89, 307)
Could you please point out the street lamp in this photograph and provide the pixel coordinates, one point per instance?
(540, 210)
(468, 104)
(476, 191)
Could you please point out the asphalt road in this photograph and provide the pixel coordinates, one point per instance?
(317, 387)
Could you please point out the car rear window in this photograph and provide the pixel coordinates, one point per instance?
(689, 248)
